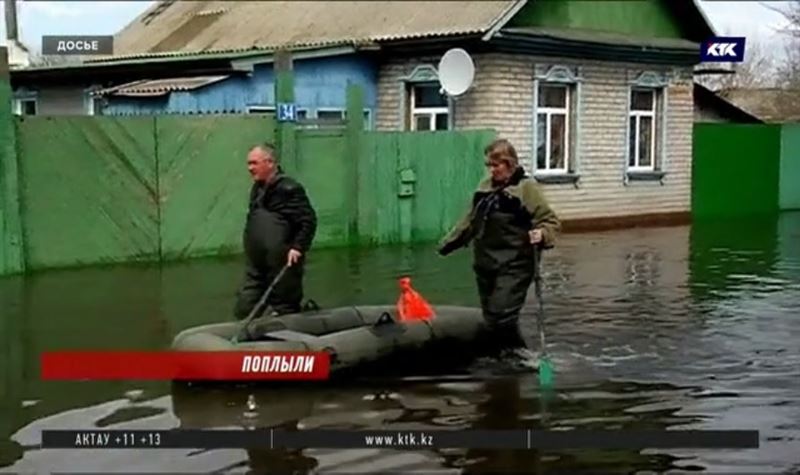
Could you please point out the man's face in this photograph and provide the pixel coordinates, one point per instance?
(260, 164)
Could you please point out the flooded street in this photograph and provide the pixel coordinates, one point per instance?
(680, 327)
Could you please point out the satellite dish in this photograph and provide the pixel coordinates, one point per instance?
(456, 71)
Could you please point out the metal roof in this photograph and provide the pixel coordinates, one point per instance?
(772, 105)
(171, 27)
(707, 97)
(159, 87)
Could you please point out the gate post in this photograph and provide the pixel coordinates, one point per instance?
(354, 131)
(11, 253)
(284, 95)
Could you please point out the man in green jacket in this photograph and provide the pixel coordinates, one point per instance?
(508, 218)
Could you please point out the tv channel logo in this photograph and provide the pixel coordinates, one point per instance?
(724, 49)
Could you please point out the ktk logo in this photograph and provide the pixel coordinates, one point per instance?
(724, 49)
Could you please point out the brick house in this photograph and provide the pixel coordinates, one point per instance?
(597, 96)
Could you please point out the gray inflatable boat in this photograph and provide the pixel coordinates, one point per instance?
(353, 336)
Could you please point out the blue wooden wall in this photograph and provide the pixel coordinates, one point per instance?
(320, 83)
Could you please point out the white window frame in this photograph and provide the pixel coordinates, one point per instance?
(421, 75)
(91, 104)
(368, 119)
(568, 76)
(658, 83)
(430, 112)
(18, 103)
(638, 115)
(549, 112)
(367, 114)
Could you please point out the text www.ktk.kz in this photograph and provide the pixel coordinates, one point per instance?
(401, 439)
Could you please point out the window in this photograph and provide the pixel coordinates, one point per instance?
(260, 110)
(94, 106)
(330, 114)
(552, 127)
(26, 106)
(556, 124)
(428, 108)
(367, 119)
(29, 107)
(642, 130)
(646, 154)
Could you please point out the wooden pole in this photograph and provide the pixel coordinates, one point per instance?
(355, 132)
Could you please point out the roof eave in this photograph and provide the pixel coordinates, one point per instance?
(581, 49)
(503, 19)
(260, 55)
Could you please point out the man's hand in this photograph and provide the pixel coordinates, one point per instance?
(293, 256)
(535, 235)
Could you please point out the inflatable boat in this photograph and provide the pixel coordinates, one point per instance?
(352, 336)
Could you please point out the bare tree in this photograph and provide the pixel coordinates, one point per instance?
(788, 69)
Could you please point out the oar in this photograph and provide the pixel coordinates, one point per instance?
(257, 309)
(545, 365)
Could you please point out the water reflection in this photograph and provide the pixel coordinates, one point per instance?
(682, 327)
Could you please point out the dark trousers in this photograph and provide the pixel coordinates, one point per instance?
(286, 296)
(502, 294)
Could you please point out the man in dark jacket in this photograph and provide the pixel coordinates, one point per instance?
(281, 223)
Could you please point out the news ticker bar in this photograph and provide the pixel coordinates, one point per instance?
(403, 439)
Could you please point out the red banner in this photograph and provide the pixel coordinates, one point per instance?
(175, 365)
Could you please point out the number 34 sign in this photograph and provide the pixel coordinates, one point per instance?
(287, 112)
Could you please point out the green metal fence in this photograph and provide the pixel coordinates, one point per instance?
(87, 189)
(735, 169)
(790, 167)
(98, 190)
(413, 187)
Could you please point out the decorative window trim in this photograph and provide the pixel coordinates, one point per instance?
(572, 77)
(659, 83)
(422, 73)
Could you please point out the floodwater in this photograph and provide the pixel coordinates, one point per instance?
(680, 327)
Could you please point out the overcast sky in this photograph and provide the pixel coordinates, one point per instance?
(37, 18)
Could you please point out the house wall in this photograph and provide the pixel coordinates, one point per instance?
(56, 101)
(646, 18)
(502, 98)
(706, 113)
(319, 84)
(61, 101)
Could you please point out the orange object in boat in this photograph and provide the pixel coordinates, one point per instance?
(411, 305)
